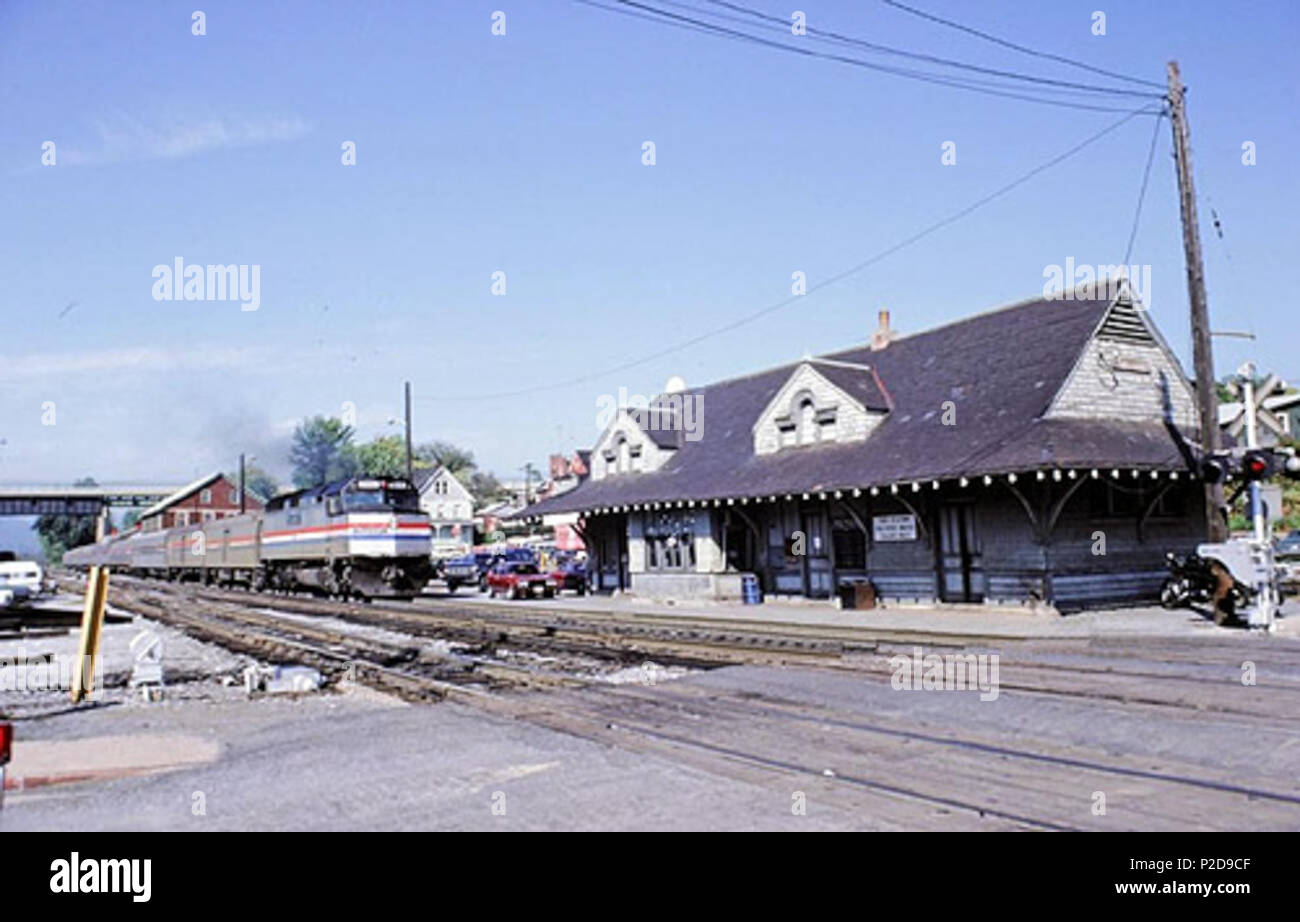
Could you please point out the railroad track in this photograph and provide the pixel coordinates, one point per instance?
(1193, 675)
(999, 781)
(627, 642)
(882, 767)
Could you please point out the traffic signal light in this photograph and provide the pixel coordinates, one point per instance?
(1216, 468)
(1257, 465)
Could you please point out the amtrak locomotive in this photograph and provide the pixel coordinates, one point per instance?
(353, 538)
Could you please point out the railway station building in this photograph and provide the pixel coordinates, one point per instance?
(1040, 452)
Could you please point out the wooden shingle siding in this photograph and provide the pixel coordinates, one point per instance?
(1125, 373)
(1016, 585)
(906, 585)
(1089, 590)
(853, 423)
(652, 456)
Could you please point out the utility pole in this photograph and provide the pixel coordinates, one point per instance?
(1207, 399)
(528, 483)
(410, 469)
(1257, 519)
(243, 504)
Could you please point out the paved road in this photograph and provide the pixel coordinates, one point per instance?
(361, 762)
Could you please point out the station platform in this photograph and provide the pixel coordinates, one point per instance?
(977, 620)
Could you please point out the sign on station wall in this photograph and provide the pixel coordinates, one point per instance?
(893, 527)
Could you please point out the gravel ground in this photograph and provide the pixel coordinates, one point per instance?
(192, 670)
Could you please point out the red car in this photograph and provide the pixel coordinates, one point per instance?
(519, 581)
(570, 575)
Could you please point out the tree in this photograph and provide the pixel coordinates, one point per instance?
(257, 482)
(61, 533)
(384, 456)
(322, 450)
(486, 489)
(457, 460)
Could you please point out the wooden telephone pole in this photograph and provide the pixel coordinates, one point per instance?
(410, 464)
(1207, 398)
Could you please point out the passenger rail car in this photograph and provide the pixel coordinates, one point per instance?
(360, 536)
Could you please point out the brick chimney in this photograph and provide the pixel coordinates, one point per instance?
(883, 335)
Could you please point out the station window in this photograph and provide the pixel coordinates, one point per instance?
(848, 542)
(205, 497)
(669, 542)
(1116, 501)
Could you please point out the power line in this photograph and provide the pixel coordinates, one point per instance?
(933, 59)
(666, 17)
(1061, 59)
(838, 277)
(1142, 193)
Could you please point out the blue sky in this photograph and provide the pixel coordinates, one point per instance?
(522, 153)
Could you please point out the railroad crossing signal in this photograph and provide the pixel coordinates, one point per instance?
(1256, 465)
(1270, 387)
(1250, 465)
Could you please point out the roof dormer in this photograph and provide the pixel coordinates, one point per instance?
(838, 403)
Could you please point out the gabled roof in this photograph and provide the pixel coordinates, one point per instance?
(180, 494)
(426, 475)
(861, 382)
(999, 369)
(424, 478)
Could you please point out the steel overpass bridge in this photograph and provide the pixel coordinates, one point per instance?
(47, 499)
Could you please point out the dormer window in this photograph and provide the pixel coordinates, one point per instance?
(804, 423)
(808, 428)
(623, 457)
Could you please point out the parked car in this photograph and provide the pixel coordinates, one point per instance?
(1288, 545)
(519, 581)
(570, 574)
(1286, 557)
(463, 571)
(509, 555)
(21, 581)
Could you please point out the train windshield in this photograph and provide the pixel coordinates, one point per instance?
(381, 496)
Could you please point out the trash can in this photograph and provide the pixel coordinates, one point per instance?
(857, 593)
(751, 591)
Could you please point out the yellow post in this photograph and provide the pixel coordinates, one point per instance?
(92, 622)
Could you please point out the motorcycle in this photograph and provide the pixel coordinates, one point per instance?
(1194, 579)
